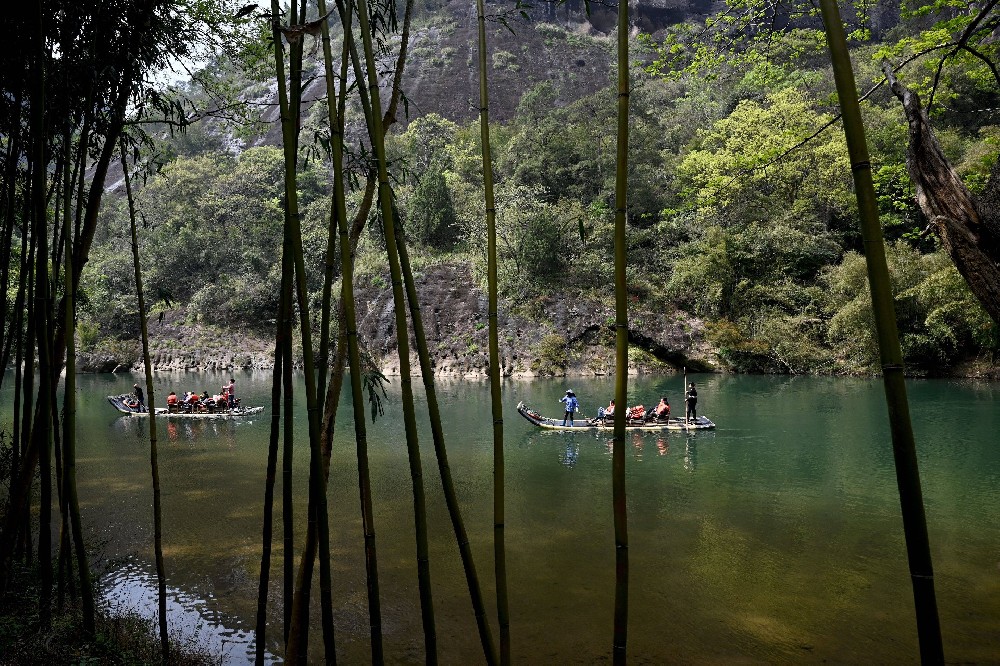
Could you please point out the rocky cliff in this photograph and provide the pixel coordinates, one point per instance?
(544, 336)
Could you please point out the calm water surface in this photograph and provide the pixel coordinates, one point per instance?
(775, 539)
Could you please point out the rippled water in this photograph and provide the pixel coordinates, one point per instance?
(776, 538)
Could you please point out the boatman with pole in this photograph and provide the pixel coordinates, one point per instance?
(691, 404)
(571, 404)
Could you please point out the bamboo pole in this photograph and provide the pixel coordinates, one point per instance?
(903, 447)
(41, 436)
(72, 499)
(496, 405)
(620, 639)
(267, 530)
(441, 453)
(403, 349)
(287, 446)
(354, 362)
(409, 417)
(289, 105)
(161, 575)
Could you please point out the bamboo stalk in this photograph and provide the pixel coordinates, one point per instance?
(901, 428)
(41, 428)
(620, 640)
(338, 212)
(496, 405)
(347, 240)
(409, 417)
(289, 104)
(72, 499)
(288, 446)
(441, 453)
(267, 536)
(161, 575)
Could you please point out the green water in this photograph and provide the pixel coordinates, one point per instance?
(775, 539)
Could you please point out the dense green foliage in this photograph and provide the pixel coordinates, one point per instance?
(736, 215)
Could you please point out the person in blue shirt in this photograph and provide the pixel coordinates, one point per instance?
(571, 405)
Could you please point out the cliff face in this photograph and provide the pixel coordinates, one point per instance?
(546, 336)
(562, 45)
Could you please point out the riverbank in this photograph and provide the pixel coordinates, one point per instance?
(541, 336)
(122, 636)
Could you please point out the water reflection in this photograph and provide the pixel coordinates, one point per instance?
(690, 451)
(783, 525)
(218, 432)
(571, 454)
(131, 588)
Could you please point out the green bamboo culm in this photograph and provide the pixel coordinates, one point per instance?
(41, 432)
(441, 453)
(499, 545)
(72, 500)
(161, 576)
(267, 529)
(620, 639)
(403, 345)
(288, 100)
(300, 611)
(350, 336)
(903, 447)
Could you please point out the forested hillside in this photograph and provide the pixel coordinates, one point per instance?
(744, 244)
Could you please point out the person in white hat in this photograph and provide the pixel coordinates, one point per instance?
(571, 406)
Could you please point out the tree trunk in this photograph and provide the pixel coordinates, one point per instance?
(968, 226)
(496, 404)
(620, 637)
(154, 465)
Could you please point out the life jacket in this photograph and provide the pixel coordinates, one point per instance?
(637, 412)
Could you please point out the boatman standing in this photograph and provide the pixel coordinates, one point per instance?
(231, 393)
(571, 404)
(691, 404)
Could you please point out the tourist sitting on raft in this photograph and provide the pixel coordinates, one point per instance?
(605, 413)
(662, 411)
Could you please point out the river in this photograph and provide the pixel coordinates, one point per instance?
(776, 538)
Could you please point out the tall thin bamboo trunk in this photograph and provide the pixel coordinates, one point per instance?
(499, 547)
(621, 346)
(402, 338)
(441, 452)
(287, 447)
(41, 434)
(347, 240)
(267, 529)
(161, 575)
(903, 447)
(289, 105)
(72, 500)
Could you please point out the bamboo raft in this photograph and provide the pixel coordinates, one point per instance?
(126, 404)
(700, 423)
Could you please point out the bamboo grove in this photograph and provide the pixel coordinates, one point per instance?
(75, 113)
